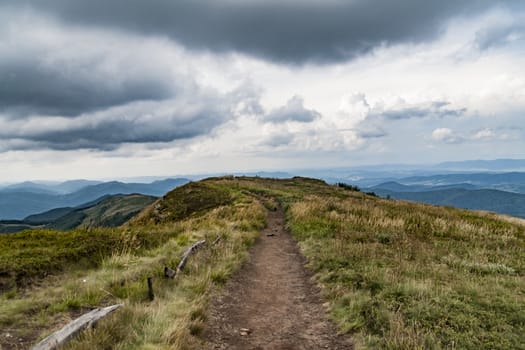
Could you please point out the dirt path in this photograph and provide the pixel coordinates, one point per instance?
(274, 298)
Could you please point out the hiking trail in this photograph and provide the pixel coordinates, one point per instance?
(272, 302)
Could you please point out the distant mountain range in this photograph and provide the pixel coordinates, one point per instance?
(511, 182)
(107, 211)
(462, 195)
(372, 175)
(17, 201)
(50, 188)
(24, 199)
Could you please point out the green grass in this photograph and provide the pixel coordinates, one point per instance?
(185, 201)
(110, 212)
(402, 275)
(117, 264)
(408, 276)
(396, 275)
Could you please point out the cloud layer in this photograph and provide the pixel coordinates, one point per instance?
(229, 84)
(291, 32)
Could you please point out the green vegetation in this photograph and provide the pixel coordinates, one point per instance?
(408, 276)
(105, 266)
(186, 200)
(396, 275)
(112, 211)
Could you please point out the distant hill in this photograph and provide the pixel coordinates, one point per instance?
(511, 182)
(47, 216)
(29, 187)
(49, 187)
(484, 165)
(18, 203)
(108, 211)
(491, 200)
(397, 187)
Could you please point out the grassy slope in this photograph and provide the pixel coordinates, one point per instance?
(110, 212)
(397, 275)
(117, 271)
(411, 276)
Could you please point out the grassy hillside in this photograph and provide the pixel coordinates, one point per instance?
(18, 203)
(396, 275)
(49, 277)
(110, 212)
(409, 276)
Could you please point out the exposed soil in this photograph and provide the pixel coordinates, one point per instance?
(272, 302)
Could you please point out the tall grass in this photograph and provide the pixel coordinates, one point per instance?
(174, 318)
(396, 275)
(409, 276)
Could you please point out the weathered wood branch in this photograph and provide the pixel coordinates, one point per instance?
(217, 240)
(186, 255)
(60, 337)
(172, 273)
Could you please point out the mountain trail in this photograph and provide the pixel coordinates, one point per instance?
(272, 302)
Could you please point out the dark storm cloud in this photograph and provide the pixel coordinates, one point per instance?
(68, 88)
(293, 111)
(291, 32)
(28, 87)
(51, 69)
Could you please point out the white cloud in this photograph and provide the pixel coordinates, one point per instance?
(446, 135)
(484, 134)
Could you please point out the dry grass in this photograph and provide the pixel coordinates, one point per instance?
(397, 275)
(411, 276)
(176, 315)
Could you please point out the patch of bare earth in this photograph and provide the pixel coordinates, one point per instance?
(272, 302)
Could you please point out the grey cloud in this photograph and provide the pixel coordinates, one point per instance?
(28, 88)
(67, 90)
(47, 69)
(280, 139)
(293, 111)
(498, 36)
(377, 118)
(141, 122)
(290, 32)
(402, 109)
(431, 109)
(371, 133)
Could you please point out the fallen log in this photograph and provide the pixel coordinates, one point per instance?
(60, 337)
(172, 273)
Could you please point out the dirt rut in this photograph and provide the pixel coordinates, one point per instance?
(272, 303)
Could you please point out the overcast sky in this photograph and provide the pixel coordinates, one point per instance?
(123, 88)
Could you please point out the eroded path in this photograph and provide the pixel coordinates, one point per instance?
(272, 302)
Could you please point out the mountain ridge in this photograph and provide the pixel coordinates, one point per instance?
(20, 204)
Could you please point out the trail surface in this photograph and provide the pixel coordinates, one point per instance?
(272, 303)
